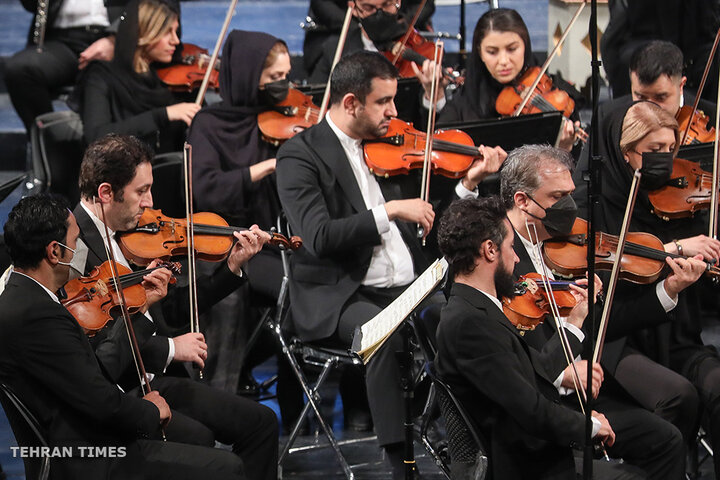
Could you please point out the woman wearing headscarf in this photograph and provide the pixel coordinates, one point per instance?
(125, 95)
(660, 359)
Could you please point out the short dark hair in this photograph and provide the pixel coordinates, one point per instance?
(32, 224)
(466, 225)
(112, 159)
(354, 74)
(657, 58)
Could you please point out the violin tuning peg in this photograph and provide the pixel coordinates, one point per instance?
(387, 175)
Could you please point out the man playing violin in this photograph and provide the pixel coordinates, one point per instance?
(116, 173)
(48, 363)
(536, 184)
(486, 362)
(360, 237)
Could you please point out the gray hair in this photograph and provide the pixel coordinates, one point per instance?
(520, 171)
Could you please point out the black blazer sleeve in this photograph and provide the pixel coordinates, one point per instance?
(56, 354)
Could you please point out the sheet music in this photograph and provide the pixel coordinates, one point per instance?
(375, 331)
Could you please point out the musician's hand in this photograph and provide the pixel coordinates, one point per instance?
(262, 169)
(580, 310)
(581, 367)
(685, 272)
(249, 243)
(605, 434)
(182, 111)
(567, 135)
(413, 210)
(425, 77)
(598, 285)
(155, 284)
(190, 347)
(490, 161)
(101, 49)
(708, 247)
(162, 406)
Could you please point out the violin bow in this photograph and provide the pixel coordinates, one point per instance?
(338, 53)
(427, 170)
(545, 65)
(713, 221)
(399, 48)
(699, 93)
(615, 273)
(190, 229)
(211, 65)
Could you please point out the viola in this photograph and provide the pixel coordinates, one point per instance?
(402, 149)
(545, 98)
(530, 304)
(159, 236)
(643, 258)
(93, 300)
(700, 129)
(293, 115)
(688, 190)
(187, 76)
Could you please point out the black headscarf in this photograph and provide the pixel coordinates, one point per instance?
(616, 181)
(226, 140)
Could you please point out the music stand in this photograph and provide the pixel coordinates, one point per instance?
(8, 187)
(699, 152)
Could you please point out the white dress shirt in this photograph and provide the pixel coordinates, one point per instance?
(80, 13)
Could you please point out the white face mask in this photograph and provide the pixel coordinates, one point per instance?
(77, 263)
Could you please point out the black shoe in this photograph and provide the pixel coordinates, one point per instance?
(247, 385)
(358, 420)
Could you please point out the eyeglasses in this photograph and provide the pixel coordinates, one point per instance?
(391, 6)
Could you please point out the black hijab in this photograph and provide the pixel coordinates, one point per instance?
(616, 181)
(226, 139)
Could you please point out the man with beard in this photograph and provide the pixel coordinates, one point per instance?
(497, 377)
(360, 247)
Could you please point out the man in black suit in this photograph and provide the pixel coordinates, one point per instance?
(360, 238)
(536, 184)
(45, 358)
(116, 173)
(499, 379)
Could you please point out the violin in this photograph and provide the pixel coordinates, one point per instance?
(700, 130)
(688, 190)
(187, 76)
(642, 262)
(293, 115)
(545, 98)
(159, 236)
(93, 299)
(530, 303)
(416, 49)
(402, 149)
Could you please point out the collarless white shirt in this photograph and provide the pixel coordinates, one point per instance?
(391, 263)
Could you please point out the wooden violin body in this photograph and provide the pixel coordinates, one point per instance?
(289, 117)
(403, 147)
(527, 309)
(700, 130)
(545, 98)
(160, 236)
(188, 75)
(415, 43)
(689, 190)
(92, 300)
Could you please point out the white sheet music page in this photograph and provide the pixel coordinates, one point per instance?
(375, 331)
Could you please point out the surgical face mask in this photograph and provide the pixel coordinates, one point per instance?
(382, 28)
(275, 92)
(560, 217)
(77, 262)
(656, 169)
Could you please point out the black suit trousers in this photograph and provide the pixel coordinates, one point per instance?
(33, 77)
(210, 413)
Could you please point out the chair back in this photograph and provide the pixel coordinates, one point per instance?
(28, 432)
(468, 454)
(57, 147)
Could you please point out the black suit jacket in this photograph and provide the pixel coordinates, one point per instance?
(353, 43)
(506, 390)
(323, 203)
(47, 360)
(169, 315)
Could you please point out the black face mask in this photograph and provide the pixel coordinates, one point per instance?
(560, 218)
(383, 28)
(275, 92)
(656, 169)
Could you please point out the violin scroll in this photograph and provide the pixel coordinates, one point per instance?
(281, 241)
